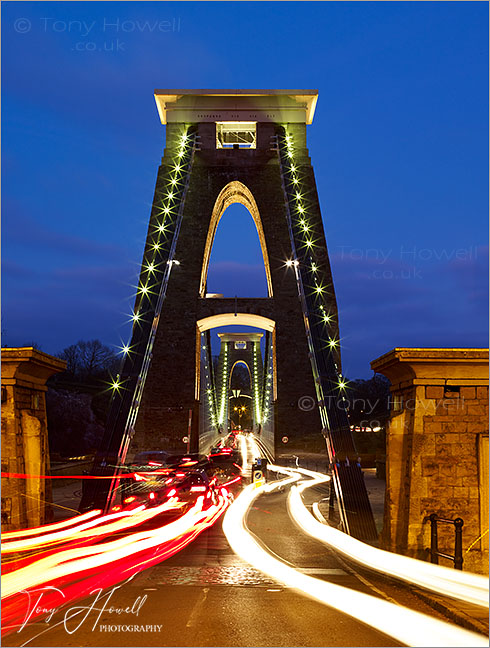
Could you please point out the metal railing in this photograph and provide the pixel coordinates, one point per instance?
(434, 552)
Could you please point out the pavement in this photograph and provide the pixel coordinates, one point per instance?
(205, 595)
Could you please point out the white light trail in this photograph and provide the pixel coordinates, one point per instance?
(48, 528)
(244, 453)
(407, 626)
(459, 585)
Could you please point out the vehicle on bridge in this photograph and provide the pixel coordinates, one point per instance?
(182, 476)
(153, 488)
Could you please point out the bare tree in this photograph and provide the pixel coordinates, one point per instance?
(87, 359)
(95, 357)
(71, 355)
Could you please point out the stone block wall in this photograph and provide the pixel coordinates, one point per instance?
(25, 501)
(437, 451)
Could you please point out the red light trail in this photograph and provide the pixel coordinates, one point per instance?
(73, 556)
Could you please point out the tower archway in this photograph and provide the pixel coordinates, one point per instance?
(234, 192)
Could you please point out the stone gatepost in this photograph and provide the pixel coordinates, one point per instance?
(25, 502)
(437, 451)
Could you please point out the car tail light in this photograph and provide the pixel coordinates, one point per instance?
(172, 492)
(116, 508)
(128, 500)
(151, 496)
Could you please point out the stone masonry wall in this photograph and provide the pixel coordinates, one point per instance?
(437, 451)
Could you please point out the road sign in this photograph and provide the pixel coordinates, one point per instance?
(258, 475)
(285, 439)
(185, 440)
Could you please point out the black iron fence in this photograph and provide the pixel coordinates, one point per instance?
(434, 552)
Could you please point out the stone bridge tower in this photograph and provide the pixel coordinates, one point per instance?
(237, 136)
(224, 147)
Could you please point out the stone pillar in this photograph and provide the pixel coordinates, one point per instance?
(25, 502)
(437, 451)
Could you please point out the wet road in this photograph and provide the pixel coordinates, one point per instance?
(207, 596)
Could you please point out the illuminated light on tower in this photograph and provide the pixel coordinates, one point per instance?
(221, 416)
(256, 386)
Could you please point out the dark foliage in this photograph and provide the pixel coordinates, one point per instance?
(73, 427)
(78, 399)
(369, 411)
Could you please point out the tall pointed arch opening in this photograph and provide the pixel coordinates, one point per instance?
(234, 192)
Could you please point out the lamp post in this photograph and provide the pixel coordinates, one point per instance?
(240, 411)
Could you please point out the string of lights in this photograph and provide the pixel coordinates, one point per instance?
(267, 387)
(223, 409)
(207, 360)
(257, 396)
(158, 262)
(318, 303)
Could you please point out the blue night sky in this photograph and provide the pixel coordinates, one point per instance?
(399, 145)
